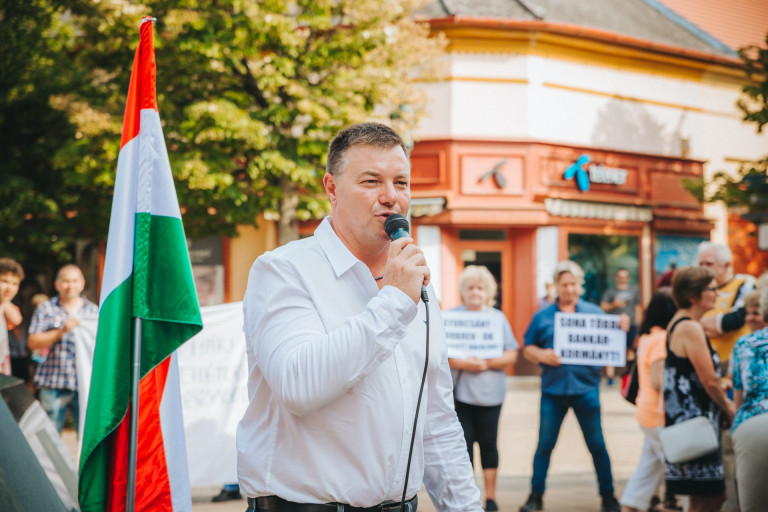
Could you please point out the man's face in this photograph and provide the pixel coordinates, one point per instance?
(622, 279)
(708, 258)
(568, 289)
(69, 284)
(9, 286)
(754, 319)
(373, 185)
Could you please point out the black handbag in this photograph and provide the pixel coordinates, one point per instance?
(629, 382)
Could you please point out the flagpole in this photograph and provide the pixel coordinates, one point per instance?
(130, 495)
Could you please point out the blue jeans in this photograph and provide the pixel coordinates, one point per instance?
(56, 402)
(551, 415)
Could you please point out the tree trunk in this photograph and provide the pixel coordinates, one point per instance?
(288, 224)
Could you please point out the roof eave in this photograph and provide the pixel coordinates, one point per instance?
(565, 29)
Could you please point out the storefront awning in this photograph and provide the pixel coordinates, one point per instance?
(587, 210)
(423, 206)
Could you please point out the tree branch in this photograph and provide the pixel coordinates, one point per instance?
(250, 85)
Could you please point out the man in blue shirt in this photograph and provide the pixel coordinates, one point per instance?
(566, 386)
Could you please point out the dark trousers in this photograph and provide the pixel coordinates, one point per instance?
(551, 415)
(481, 426)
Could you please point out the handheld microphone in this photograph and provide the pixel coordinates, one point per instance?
(396, 226)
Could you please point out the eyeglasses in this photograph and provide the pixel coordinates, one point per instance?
(710, 289)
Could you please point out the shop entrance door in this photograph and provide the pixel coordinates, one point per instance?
(490, 260)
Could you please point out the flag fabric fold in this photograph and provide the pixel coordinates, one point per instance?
(147, 275)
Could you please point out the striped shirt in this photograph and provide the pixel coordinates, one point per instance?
(58, 370)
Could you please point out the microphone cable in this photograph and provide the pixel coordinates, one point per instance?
(396, 226)
(425, 298)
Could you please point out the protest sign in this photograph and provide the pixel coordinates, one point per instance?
(473, 333)
(589, 339)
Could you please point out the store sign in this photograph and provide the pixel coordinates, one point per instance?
(602, 174)
(594, 173)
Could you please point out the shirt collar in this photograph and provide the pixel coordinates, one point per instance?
(337, 253)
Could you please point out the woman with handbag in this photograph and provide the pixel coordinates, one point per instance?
(750, 393)
(651, 353)
(692, 388)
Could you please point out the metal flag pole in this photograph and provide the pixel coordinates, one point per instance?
(133, 432)
(130, 495)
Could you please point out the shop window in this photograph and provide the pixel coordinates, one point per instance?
(601, 256)
(483, 234)
(206, 256)
(671, 252)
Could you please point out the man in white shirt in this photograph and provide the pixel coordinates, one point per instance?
(335, 334)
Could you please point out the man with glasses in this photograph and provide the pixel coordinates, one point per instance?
(724, 324)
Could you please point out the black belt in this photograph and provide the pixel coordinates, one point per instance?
(276, 504)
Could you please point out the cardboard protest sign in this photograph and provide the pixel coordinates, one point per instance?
(472, 333)
(590, 339)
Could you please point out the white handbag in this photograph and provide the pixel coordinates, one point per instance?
(689, 439)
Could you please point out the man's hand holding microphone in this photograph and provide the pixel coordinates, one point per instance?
(406, 266)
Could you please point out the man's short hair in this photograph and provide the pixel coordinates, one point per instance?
(722, 251)
(69, 266)
(11, 266)
(570, 267)
(371, 134)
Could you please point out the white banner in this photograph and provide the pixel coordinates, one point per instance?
(85, 341)
(590, 339)
(213, 376)
(472, 333)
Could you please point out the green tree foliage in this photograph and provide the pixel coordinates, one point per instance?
(755, 104)
(747, 190)
(249, 95)
(39, 201)
(251, 92)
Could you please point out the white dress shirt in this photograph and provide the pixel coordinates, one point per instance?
(335, 366)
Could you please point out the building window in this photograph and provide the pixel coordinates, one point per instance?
(483, 234)
(671, 252)
(601, 256)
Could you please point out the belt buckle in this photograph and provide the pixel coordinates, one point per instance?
(395, 505)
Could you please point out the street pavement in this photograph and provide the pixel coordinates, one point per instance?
(571, 484)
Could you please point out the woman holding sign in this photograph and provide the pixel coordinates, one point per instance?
(479, 380)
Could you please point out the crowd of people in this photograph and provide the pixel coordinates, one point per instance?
(709, 334)
(355, 401)
(36, 338)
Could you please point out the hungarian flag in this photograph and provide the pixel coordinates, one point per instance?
(147, 275)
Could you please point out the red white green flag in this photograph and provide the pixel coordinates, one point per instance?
(147, 274)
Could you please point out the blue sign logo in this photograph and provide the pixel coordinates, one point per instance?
(577, 169)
